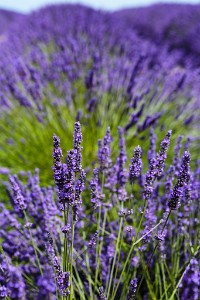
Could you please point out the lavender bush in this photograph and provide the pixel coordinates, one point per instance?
(115, 214)
(57, 67)
(108, 237)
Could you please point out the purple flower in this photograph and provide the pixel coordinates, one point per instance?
(121, 173)
(95, 189)
(92, 242)
(132, 289)
(136, 164)
(3, 292)
(17, 193)
(162, 155)
(152, 146)
(149, 179)
(156, 166)
(104, 151)
(176, 159)
(62, 278)
(77, 147)
(101, 293)
(58, 167)
(182, 181)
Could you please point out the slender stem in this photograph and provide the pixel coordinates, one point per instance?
(36, 255)
(115, 255)
(97, 247)
(154, 250)
(71, 263)
(65, 252)
(101, 244)
(117, 264)
(134, 243)
(141, 219)
(129, 255)
(164, 280)
(107, 280)
(98, 227)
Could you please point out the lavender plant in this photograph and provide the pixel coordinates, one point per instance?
(57, 245)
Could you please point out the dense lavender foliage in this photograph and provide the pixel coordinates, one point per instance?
(116, 214)
(45, 256)
(57, 46)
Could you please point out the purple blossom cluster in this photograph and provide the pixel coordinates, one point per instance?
(34, 236)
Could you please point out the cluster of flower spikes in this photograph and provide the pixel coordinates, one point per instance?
(69, 189)
(46, 227)
(62, 277)
(24, 230)
(136, 164)
(182, 181)
(156, 166)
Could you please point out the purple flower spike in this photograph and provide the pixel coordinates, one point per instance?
(57, 156)
(136, 164)
(132, 290)
(95, 189)
(177, 159)
(156, 167)
(182, 181)
(162, 155)
(77, 147)
(104, 151)
(93, 241)
(149, 180)
(101, 293)
(3, 292)
(17, 193)
(152, 146)
(122, 173)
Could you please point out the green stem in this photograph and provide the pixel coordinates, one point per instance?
(101, 245)
(65, 253)
(141, 219)
(164, 280)
(115, 276)
(71, 263)
(129, 255)
(36, 255)
(98, 252)
(115, 255)
(154, 250)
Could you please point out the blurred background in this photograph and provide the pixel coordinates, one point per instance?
(27, 6)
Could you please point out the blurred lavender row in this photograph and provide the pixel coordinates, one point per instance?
(44, 54)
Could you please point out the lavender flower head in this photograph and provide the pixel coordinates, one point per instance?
(162, 155)
(104, 151)
(122, 177)
(176, 159)
(122, 174)
(182, 181)
(77, 147)
(17, 193)
(57, 157)
(101, 293)
(136, 164)
(132, 290)
(149, 179)
(95, 189)
(156, 166)
(152, 147)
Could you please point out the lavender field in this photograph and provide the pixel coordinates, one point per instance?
(99, 153)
